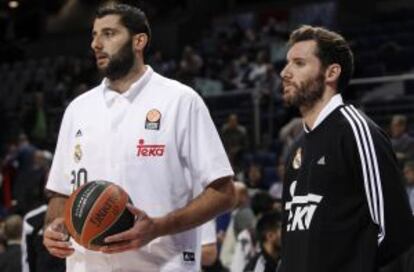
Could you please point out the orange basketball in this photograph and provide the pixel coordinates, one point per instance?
(97, 210)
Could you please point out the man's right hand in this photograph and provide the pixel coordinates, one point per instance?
(56, 239)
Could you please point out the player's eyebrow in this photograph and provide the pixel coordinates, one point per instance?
(94, 32)
(296, 59)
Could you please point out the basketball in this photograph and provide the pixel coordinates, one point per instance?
(97, 210)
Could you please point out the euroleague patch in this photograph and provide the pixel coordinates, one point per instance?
(149, 150)
(153, 120)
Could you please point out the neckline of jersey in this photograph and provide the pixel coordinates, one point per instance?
(333, 103)
(110, 95)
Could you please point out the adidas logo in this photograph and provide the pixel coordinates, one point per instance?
(79, 133)
(188, 256)
(321, 161)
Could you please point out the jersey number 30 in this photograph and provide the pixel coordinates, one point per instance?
(79, 178)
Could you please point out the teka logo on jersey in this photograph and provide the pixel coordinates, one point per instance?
(301, 209)
(146, 150)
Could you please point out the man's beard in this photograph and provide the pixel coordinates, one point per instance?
(277, 246)
(120, 63)
(307, 93)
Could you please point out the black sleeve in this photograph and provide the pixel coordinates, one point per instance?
(370, 153)
(399, 221)
(251, 264)
(31, 251)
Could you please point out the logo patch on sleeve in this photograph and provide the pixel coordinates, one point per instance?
(77, 154)
(153, 120)
(188, 256)
(297, 160)
(78, 133)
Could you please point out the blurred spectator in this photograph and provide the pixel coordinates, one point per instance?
(57, 95)
(243, 214)
(10, 260)
(242, 218)
(246, 246)
(276, 189)
(261, 203)
(276, 34)
(268, 235)
(259, 68)
(160, 65)
(271, 83)
(252, 43)
(24, 153)
(3, 243)
(288, 134)
(35, 121)
(78, 90)
(24, 170)
(245, 249)
(276, 29)
(31, 190)
(208, 42)
(235, 141)
(271, 28)
(8, 172)
(391, 54)
(235, 34)
(243, 68)
(22, 161)
(255, 180)
(230, 77)
(402, 142)
(190, 65)
(409, 179)
(35, 257)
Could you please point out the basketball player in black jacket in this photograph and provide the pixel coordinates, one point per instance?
(345, 208)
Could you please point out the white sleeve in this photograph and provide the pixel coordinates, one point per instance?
(227, 248)
(242, 251)
(27, 230)
(59, 180)
(202, 148)
(208, 233)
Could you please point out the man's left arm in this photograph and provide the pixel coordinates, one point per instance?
(216, 198)
(396, 228)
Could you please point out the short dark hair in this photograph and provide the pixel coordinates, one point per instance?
(13, 227)
(133, 18)
(409, 164)
(262, 202)
(331, 48)
(399, 119)
(269, 221)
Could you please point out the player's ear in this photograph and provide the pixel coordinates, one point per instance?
(332, 73)
(139, 41)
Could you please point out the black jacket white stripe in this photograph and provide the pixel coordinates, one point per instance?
(369, 165)
(345, 207)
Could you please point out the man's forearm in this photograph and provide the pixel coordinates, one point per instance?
(56, 208)
(217, 198)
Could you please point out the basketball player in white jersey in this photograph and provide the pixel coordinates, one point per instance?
(152, 136)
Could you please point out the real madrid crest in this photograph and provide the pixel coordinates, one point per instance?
(77, 156)
(297, 160)
(153, 120)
